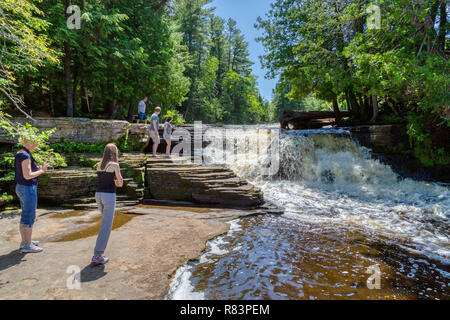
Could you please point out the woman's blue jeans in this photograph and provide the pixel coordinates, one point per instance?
(106, 204)
(28, 202)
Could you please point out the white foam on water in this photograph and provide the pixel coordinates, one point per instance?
(325, 176)
(181, 288)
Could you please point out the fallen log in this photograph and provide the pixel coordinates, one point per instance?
(297, 120)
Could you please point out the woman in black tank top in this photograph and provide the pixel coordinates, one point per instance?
(106, 180)
(109, 177)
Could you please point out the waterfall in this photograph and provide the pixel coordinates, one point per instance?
(324, 176)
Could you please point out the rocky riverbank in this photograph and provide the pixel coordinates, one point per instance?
(147, 245)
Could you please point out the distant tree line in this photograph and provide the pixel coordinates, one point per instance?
(389, 67)
(178, 53)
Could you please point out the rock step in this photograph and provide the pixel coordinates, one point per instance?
(151, 161)
(189, 171)
(226, 182)
(205, 185)
(230, 182)
(212, 176)
(93, 206)
(88, 200)
(174, 165)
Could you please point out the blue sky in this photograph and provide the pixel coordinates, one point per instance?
(245, 12)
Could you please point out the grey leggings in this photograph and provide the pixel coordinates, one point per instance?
(106, 203)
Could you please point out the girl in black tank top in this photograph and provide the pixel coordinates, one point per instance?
(106, 181)
(106, 198)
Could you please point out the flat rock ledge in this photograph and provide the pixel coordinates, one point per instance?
(180, 180)
(145, 252)
(147, 178)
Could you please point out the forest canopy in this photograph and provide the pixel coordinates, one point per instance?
(178, 53)
(384, 60)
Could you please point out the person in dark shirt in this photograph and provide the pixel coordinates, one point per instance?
(109, 177)
(26, 176)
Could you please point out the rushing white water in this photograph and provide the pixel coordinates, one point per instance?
(328, 177)
(325, 177)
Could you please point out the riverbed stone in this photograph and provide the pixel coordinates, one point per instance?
(145, 252)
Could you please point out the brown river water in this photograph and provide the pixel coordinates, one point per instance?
(350, 228)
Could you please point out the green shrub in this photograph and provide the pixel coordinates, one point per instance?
(176, 117)
(428, 150)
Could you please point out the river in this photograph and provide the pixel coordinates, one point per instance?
(351, 228)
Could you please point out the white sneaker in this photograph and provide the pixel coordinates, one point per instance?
(31, 249)
(33, 242)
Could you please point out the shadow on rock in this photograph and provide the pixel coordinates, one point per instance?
(92, 272)
(10, 215)
(11, 259)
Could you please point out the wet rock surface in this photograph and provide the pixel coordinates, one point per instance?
(145, 252)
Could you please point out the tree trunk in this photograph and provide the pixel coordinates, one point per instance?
(442, 25)
(353, 103)
(349, 105)
(336, 107)
(130, 112)
(87, 100)
(115, 106)
(374, 109)
(52, 102)
(74, 90)
(67, 72)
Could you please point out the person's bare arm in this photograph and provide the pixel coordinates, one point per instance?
(26, 170)
(118, 180)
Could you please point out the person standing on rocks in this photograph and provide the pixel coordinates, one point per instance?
(141, 110)
(154, 133)
(26, 176)
(167, 134)
(109, 177)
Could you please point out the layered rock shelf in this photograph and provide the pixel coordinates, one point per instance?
(75, 186)
(179, 179)
(174, 179)
(85, 130)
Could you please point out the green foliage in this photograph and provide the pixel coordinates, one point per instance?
(23, 132)
(43, 153)
(325, 48)
(123, 144)
(25, 45)
(6, 197)
(223, 90)
(7, 166)
(124, 50)
(421, 141)
(176, 120)
(67, 147)
(78, 147)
